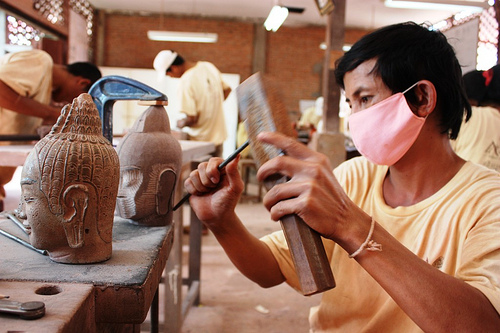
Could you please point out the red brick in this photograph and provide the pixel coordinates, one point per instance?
(293, 60)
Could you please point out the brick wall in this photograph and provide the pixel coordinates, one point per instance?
(295, 62)
(293, 58)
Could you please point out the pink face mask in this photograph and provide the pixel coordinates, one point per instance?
(384, 132)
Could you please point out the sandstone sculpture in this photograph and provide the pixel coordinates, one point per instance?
(150, 162)
(69, 185)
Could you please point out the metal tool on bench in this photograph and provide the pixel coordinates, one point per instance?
(23, 242)
(109, 89)
(25, 310)
(16, 221)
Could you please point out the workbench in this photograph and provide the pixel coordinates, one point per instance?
(15, 155)
(122, 288)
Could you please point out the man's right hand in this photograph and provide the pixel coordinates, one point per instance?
(214, 192)
(187, 121)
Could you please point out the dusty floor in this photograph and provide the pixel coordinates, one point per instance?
(230, 303)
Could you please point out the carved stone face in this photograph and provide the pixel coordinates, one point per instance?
(145, 190)
(130, 193)
(46, 228)
(149, 162)
(69, 185)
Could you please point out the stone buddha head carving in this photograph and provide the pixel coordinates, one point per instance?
(69, 184)
(150, 161)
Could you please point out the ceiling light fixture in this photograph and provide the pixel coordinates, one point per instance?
(471, 5)
(277, 16)
(345, 47)
(178, 36)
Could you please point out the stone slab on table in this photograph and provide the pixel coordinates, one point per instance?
(69, 307)
(124, 285)
(15, 155)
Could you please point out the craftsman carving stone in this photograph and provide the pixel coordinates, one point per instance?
(69, 185)
(150, 161)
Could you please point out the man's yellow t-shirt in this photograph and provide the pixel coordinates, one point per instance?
(201, 93)
(29, 73)
(457, 230)
(479, 138)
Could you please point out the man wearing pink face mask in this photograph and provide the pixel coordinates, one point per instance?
(411, 230)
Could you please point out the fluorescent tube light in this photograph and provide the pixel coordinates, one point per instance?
(345, 47)
(474, 6)
(177, 36)
(277, 16)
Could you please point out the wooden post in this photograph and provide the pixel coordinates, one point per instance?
(331, 142)
(259, 47)
(100, 37)
(335, 31)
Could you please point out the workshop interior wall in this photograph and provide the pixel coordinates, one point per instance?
(126, 112)
(293, 57)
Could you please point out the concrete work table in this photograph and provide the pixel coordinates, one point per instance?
(68, 307)
(14, 155)
(123, 286)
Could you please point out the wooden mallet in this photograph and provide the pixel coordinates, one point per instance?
(263, 109)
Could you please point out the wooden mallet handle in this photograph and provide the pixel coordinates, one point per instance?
(263, 110)
(308, 254)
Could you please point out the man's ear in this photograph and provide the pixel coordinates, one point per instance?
(427, 98)
(83, 83)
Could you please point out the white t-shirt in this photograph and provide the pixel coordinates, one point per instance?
(479, 138)
(29, 73)
(201, 92)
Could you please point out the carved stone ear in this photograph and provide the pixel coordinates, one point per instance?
(75, 203)
(165, 191)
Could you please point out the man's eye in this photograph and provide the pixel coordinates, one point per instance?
(28, 199)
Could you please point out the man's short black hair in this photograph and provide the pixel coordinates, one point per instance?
(86, 70)
(475, 86)
(493, 94)
(483, 86)
(406, 53)
(177, 61)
